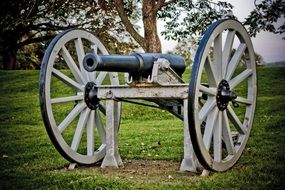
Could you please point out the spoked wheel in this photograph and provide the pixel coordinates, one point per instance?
(222, 95)
(73, 116)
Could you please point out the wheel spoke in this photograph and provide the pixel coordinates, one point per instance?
(91, 75)
(243, 100)
(227, 135)
(80, 55)
(72, 65)
(100, 77)
(95, 48)
(100, 127)
(227, 50)
(218, 55)
(102, 108)
(218, 138)
(71, 116)
(239, 78)
(90, 133)
(235, 61)
(235, 120)
(207, 108)
(211, 72)
(67, 99)
(66, 80)
(210, 91)
(79, 129)
(80, 52)
(210, 123)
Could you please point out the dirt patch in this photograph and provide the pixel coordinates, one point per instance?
(150, 170)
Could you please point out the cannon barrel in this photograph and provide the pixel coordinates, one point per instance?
(136, 64)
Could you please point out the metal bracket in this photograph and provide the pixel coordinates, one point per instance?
(112, 158)
(190, 162)
(128, 78)
(72, 166)
(162, 73)
(205, 173)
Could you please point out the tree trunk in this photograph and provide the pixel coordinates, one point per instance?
(9, 57)
(152, 41)
(8, 50)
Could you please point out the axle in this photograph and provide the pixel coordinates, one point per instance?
(136, 64)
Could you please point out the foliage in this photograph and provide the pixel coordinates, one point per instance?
(187, 19)
(268, 16)
(23, 22)
(42, 17)
(187, 48)
(28, 160)
(183, 18)
(33, 21)
(29, 56)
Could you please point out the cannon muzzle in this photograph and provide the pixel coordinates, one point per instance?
(136, 64)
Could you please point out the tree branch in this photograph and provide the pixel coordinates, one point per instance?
(128, 24)
(49, 26)
(34, 40)
(162, 3)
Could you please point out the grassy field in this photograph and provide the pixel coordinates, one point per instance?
(150, 144)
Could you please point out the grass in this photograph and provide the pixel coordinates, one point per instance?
(28, 160)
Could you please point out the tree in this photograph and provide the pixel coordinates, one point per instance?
(27, 21)
(265, 17)
(195, 17)
(23, 22)
(187, 49)
(190, 19)
(18, 21)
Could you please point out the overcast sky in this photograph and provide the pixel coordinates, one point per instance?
(269, 45)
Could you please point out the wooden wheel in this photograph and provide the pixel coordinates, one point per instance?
(222, 95)
(75, 127)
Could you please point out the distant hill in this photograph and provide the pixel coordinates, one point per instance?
(275, 64)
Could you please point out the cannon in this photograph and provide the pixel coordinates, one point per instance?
(82, 89)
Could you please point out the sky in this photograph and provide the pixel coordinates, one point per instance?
(270, 46)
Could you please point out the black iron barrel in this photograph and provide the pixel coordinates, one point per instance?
(136, 64)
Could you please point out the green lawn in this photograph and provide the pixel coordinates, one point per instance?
(150, 140)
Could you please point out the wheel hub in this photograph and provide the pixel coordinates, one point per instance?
(224, 95)
(90, 96)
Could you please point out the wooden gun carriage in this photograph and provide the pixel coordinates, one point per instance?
(217, 105)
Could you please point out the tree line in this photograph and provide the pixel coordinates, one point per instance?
(27, 26)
